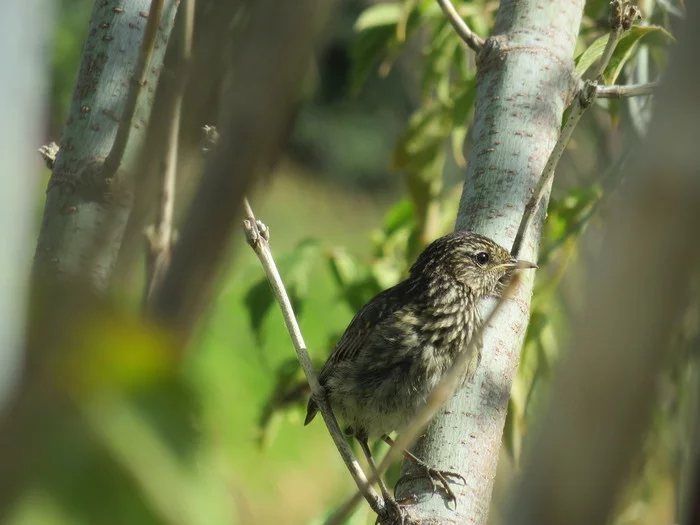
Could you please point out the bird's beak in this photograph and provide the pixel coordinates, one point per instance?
(516, 264)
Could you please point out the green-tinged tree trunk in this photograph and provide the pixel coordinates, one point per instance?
(87, 210)
(524, 83)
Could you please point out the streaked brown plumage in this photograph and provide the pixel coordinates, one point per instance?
(402, 342)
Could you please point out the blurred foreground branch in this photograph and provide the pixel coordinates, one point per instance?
(257, 111)
(605, 388)
(160, 236)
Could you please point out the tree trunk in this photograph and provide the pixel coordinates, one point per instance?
(87, 209)
(524, 83)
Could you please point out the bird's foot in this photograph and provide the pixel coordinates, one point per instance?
(438, 478)
(394, 513)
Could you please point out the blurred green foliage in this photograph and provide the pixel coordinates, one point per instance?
(134, 439)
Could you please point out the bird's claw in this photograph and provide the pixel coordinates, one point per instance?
(438, 478)
(394, 513)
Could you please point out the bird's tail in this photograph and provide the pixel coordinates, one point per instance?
(311, 410)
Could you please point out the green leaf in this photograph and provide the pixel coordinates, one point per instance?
(377, 41)
(591, 54)
(344, 267)
(401, 215)
(367, 49)
(439, 60)
(353, 278)
(408, 8)
(295, 269)
(379, 15)
(291, 389)
(626, 47)
(623, 51)
(463, 107)
(258, 301)
(424, 140)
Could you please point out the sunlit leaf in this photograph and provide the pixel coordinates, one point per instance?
(291, 389)
(424, 140)
(463, 107)
(374, 44)
(112, 351)
(295, 269)
(626, 47)
(377, 15)
(355, 282)
(402, 214)
(623, 51)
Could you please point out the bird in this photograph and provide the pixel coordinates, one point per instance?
(400, 345)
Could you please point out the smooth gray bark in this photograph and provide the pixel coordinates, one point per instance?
(86, 213)
(524, 84)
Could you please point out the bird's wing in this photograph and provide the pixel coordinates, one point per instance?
(364, 324)
(360, 330)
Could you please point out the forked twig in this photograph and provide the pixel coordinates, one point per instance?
(474, 41)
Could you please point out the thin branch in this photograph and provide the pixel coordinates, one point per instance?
(439, 396)
(621, 19)
(257, 235)
(615, 34)
(160, 236)
(114, 159)
(474, 41)
(632, 90)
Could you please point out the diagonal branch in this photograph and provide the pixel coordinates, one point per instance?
(474, 41)
(257, 235)
(621, 18)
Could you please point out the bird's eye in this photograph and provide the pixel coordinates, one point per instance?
(482, 258)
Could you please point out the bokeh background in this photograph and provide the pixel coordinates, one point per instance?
(344, 224)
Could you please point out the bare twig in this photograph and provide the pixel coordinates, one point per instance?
(632, 90)
(258, 235)
(474, 41)
(621, 18)
(440, 395)
(160, 236)
(114, 159)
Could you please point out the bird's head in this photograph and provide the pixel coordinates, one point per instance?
(470, 259)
